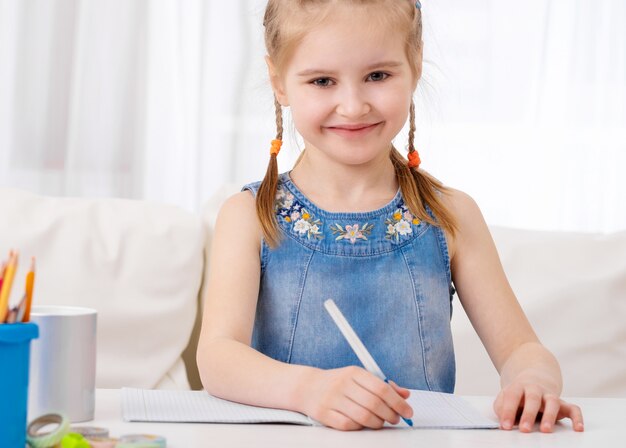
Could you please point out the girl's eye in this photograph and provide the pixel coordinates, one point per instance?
(322, 82)
(377, 76)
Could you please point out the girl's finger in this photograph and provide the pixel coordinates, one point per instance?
(402, 391)
(551, 408)
(509, 404)
(386, 392)
(372, 403)
(339, 421)
(497, 404)
(574, 413)
(532, 404)
(360, 414)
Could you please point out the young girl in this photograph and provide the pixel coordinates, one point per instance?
(356, 222)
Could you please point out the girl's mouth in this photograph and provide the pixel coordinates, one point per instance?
(353, 130)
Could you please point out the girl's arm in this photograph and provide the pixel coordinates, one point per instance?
(348, 398)
(530, 376)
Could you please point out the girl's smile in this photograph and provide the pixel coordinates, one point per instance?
(353, 131)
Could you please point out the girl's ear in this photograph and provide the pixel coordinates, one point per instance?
(277, 83)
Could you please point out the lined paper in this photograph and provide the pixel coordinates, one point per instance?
(142, 405)
(431, 410)
(445, 411)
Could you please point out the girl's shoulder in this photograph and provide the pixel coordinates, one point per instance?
(460, 203)
(240, 206)
(237, 219)
(470, 221)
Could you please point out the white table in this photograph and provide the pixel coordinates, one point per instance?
(605, 419)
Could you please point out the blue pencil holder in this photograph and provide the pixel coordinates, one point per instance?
(14, 359)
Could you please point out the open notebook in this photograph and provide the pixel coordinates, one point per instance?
(430, 410)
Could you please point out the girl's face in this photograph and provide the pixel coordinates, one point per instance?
(349, 85)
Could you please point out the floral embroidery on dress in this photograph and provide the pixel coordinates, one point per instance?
(352, 232)
(284, 199)
(401, 223)
(300, 220)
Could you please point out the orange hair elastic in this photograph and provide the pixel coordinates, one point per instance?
(275, 149)
(414, 159)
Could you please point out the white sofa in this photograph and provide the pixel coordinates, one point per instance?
(141, 265)
(138, 263)
(573, 290)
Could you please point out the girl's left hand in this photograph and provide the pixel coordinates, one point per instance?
(531, 401)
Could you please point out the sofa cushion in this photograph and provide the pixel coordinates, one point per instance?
(572, 287)
(138, 263)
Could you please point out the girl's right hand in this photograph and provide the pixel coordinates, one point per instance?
(351, 398)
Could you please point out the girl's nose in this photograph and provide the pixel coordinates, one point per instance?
(351, 103)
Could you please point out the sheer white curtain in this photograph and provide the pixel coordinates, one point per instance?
(522, 104)
(531, 109)
(129, 98)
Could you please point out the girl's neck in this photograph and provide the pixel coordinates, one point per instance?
(337, 187)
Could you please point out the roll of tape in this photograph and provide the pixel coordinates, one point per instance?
(47, 439)
(74, 440)
(102, 442)
(141, 441)
(89, 432)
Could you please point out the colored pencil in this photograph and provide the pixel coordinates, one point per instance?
(20, 309)
(7, 283)
(3, 269)
(30, 284)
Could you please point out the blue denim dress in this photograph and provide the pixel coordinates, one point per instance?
(389, 274)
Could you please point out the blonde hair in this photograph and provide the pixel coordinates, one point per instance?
(286, 23)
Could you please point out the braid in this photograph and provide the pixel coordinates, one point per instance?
(420, 189)
(414, 157)
(279, 119)
(412, 127)
(267, 191)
